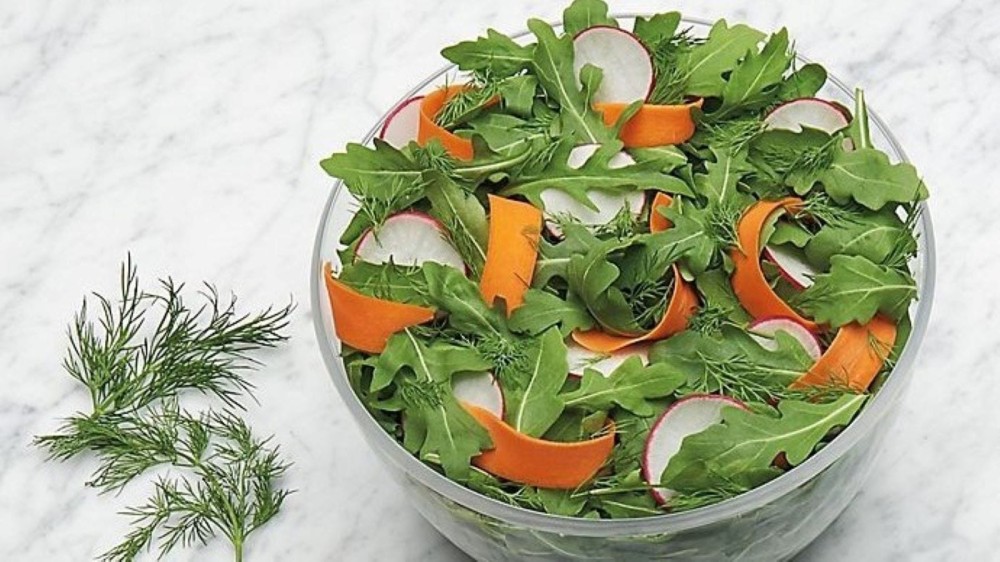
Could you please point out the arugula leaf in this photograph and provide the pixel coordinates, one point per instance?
(636, 266)
(866, 176)
(718, 296)
(584, 14)
(595, 173)
(731, 363)
(658, 29)
(542, 310)
(751, 84)
(795, 158)
(450, 290)
(435, 423)
(881, 237)
(854, 290)
(553, 259)
(518, 94)
(495, 53)
(719, 186)
(532, 388)
(561, 502)
(509, 134)
(553, 65)
(805, 82)
(462, 215)
(743, 447)
(792, 232)
(629, 386)
(392, 282)
(706, 63)
(666, 158)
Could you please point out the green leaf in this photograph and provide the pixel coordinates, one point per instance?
(495, 53)
(867, 176)
(435, 423)
(881, 237)
(743, 447)
(463, 217)
(722, 50)
(542, 310)
(717, 293)
(750, 86)
(792, 232)
(805, 82)
(531, 389)
(451, 291)
(553, 259)
(794, 158)
(509, 134)
(657, 29)
(387, 281)
(553, 65)
(719, 185)
(584, 14)
(630, 386)
(518, 94)
(595, 173)
(562, 502)
(666, 158)
(854, 290)
(732, 363)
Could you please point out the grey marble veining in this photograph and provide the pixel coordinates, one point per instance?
(189, 134)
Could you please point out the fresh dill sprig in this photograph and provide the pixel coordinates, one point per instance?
(818, 205)
(377, 205)
(135, 359)
(625, 224)
(671, 78)
(732, 135)
(484, 86)
(739, 378)
(648, 299)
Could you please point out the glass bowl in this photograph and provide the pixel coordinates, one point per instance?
(772, 522)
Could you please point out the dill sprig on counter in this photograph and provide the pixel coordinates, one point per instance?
(135, 359)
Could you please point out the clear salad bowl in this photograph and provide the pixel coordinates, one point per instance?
(772, 522)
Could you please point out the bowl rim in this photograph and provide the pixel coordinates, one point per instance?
(870, 415)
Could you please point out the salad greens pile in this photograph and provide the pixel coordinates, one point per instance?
(838, 257)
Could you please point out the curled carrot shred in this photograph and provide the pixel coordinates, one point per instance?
(366, 323)
(749, 283)
(652, 125)
(536, 462)
(855, 356)
(512, 251)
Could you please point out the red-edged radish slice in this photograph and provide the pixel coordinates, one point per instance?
(409, 238)
(479, 389)
(580, 358)
(559, 203)
(791, 264)
(807, 112)
(764, 330)
(687, 416)
(626, 65)
(402, 124)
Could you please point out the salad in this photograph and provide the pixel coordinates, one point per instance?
(615, 273)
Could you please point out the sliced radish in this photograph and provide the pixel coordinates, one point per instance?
(687, 416)
(809, 112)
(792, 264)
(409, 238)
(580, 358)
(764, 330)
(402, 123)
(559, 203)
(626, 65)
(479, 389)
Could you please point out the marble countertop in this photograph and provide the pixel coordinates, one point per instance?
(188, 133)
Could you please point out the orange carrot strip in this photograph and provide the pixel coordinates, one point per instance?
(683, 304)
(658, 222)
(749, 283)
(547, 464)
(512, 251)
(428, 129)
(367, 323)
(652, 125)
(855, 356)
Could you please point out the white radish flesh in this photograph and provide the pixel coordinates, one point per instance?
(685, 417)
(627, 68)
(581, 358)
(807, 112)
(559, 203)
(763, 332)
(791, 264)
(409, 238)
(402, 123)
(479, 389)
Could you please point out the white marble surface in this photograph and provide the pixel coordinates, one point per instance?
(189, 134)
